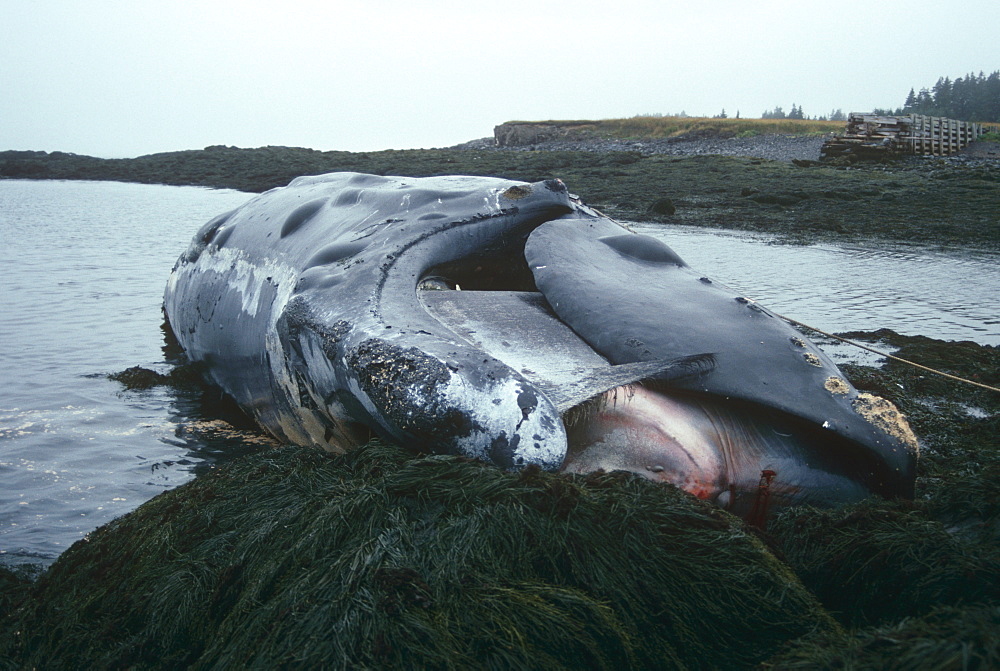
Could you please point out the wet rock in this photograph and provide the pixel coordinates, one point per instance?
(777, 198)
(664, 206)
(138, 377)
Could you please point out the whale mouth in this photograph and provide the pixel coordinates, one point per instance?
(620, 419)
(728, 437)
(482, 317)
(720, 452)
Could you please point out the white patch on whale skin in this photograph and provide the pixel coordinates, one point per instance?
(495, 410)
(507, 419)
(247, 278)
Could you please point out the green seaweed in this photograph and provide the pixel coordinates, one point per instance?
(294, 558)
(947, 639)
(880, 561)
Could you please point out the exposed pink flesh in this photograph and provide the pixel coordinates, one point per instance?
(654, 435)
(714, 450)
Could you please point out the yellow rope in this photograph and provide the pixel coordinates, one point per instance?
(888, 356)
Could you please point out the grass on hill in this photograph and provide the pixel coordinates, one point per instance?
(674, 126)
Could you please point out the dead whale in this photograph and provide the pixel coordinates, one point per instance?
(511, 323)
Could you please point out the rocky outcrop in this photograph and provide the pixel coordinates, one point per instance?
(520, 134)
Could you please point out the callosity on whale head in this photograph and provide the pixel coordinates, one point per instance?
(509, 322)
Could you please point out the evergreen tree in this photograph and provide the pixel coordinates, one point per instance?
(941, 92)
(975, 97)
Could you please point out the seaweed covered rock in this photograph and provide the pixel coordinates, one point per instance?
(295, 558)
(958, 478)
(959, 639)
(879, 561)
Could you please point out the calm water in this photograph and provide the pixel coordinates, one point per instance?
(86, 263)
(85, 266)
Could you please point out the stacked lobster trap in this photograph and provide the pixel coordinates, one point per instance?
(875, 136)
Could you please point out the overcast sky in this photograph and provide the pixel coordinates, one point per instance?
(124, 78)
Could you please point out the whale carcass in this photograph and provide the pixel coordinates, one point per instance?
(509, 322)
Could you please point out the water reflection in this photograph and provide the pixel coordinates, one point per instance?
(83, 283)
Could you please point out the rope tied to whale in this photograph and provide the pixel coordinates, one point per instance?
(881, 353)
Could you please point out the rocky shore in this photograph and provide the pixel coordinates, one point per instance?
(293, 558)
(764, 146)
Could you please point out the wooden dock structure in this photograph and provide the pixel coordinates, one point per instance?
(873, 136)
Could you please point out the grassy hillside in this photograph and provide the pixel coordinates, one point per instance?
(641, 127)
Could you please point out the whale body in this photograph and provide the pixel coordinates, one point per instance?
(511, 323)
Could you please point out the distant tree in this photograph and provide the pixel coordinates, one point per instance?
(776, 113)
(838, 115)
(722, 114)
(796, 112)
(737, 114)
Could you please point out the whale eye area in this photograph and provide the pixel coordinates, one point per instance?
(206, 234)
(222, 236)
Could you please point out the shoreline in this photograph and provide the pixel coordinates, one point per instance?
(896, 572)
(939, 201)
